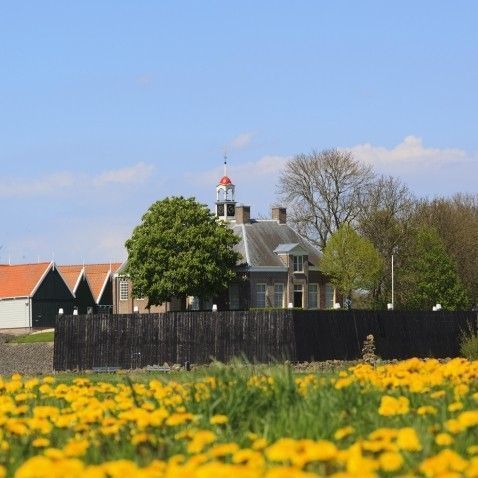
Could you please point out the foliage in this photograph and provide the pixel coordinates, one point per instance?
(34, 338)
(180, 249)
(403, 419)
(385, 220)
(430, 276)
(456, 221)
(469, 343)
(351, 261)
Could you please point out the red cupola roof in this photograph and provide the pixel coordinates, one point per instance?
(225, 181)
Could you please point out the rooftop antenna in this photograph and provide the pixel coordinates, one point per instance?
(225, 163)
(9, 260)
(53, 259)
(38, 259)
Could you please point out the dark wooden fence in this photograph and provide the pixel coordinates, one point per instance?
(132, 341)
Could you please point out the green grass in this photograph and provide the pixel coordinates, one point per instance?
(34, 338)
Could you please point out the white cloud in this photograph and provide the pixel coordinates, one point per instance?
(20, 187)
(53, 183)
(242, 140)
(138, 173)
(265, 168)
(410, 154)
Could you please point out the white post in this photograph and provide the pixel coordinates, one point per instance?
(393, 286)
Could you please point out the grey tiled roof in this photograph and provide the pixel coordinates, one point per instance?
(260, 238)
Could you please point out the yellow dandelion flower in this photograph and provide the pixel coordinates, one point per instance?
(343, 432)
(390, 461)
(218, 420)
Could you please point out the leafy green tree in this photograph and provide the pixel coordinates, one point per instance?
(180, 249)
(351, 261)
(430, 276)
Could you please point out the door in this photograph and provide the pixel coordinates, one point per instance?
(298, 296)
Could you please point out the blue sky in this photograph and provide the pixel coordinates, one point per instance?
(107, 106)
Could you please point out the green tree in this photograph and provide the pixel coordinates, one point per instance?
(351, 261)
(430, 276)
(180, 249)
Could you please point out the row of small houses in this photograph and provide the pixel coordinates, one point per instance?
(32, 294)
(278, 269)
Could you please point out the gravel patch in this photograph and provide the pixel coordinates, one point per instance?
(25, 358)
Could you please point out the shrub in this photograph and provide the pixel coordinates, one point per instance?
(469, 343)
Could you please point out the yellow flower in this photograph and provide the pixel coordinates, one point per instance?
(223, 449)
(218, 420)
(468, 419)
(472, 450)
(53, 453)
(259, 444)
(426, 410)
(41, 442)
(394, 406)
(443, 439)
(407, 439)
(200, 440)
(453, 407)
(343, 432)
(179, 419)
(390, 461)
(439, 465)
(3, 472)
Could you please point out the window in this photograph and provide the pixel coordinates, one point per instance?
(298, 263)
(123, 289)
(313, 296)
(193, 303)
(234, 297)
(329, 296)
(260, 295)
(279, 295)
(298, 296)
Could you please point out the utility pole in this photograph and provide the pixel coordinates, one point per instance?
(393, 284)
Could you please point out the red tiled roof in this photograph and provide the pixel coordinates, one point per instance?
(71, 275)
(96, 274)
(20, 280)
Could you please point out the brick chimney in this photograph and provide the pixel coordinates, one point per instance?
(243, 214)
(279, 214)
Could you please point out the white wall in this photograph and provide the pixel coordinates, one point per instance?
(15, 313)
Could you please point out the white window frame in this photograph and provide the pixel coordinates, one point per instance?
(279, 303)
(299, 288)
(328, 288)
(261, 292)
(123, 293)
(316, 292)
(298, 263)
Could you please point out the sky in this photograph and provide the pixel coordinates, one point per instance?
(107, 106)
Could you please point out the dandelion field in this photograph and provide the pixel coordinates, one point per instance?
(410, 418)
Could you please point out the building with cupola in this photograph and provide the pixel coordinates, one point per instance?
(279, 268)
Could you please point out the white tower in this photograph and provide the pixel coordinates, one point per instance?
(225, 202)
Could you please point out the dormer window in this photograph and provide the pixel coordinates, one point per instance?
(298, 263)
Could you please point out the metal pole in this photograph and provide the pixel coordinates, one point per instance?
(393, 284)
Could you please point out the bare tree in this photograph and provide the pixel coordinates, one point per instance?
(324, 189)
(385, 219)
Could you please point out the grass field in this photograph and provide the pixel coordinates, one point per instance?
(34, 338)
(412, 418)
